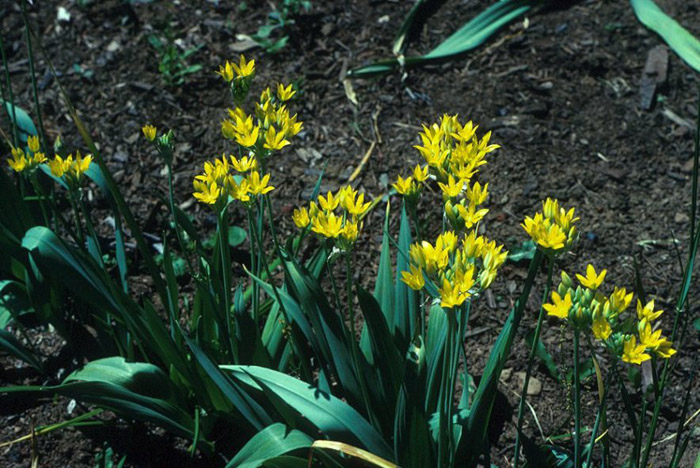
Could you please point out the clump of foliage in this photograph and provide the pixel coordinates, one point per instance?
(289, 357)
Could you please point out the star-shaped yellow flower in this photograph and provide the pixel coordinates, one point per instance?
(592, 280)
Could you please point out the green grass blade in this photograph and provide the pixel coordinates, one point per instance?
(676, 36)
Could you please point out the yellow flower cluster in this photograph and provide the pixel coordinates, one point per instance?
(335, 216)
(71, 170)
(453, 154)
(230, 177)
(243, 70)
(588, 309)
(456, 269)
(22, 162)
(552, 229)
(269, 129)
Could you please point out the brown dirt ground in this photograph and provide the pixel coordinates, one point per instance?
(561, 96)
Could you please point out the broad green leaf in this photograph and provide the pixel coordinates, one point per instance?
(676, 36)
(236, 236)
(273, 441)
(330, 415)
(132, 390)
(20, 117)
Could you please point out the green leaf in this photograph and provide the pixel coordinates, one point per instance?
(542, 353)
(11, 345)
(405, 301)
(133, 390)
(526, 251)
(236, 236)
(676, 36)
(384, 286)
(330, 415)
(273, 441)
(468, 37)
(20, 117)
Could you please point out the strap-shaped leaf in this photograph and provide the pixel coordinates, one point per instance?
(468, 37)
(330, 415)
(133, 390)
(676, 36)
(273, 441)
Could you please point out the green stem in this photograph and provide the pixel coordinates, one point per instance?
(32, 74)
(577, 401)
(225, 258)
(598, 419)
(254, 265)
(531, 360)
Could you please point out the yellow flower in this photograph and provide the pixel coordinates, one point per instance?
(544, 233)
(405, 186)
(301, 218)
(355, 206)
(226, 71)
(19, 162)
(329, 202)
(453, 294)
(285, 93)
(471, 216)
(149, 131)
(248, 138)
(328, 225)
(477, 194)
(592, 280)
(560, 307)
(654, 341)
(601, 327)
(452, 188)
(245, 164)
(33, 143)
(240, 192)
(244, 69)
(634, 353)
(414, 279)
(619, 300)
(80, 165)
(420, 174)
(207, 193)
(275, 140)
(258, 186)
(350, 232)
(59, 166)
(647, 312)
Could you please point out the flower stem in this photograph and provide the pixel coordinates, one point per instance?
(531, 360)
